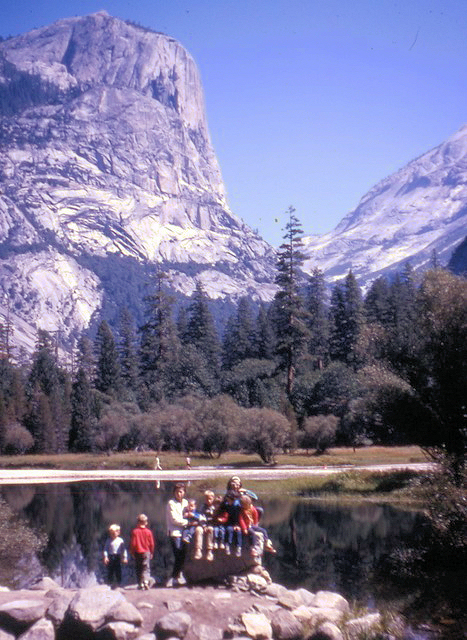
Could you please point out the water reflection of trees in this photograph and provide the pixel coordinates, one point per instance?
(335, 547)
(320, 547)
(75, 518)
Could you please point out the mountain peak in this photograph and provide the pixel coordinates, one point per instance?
(419, 209)
(106, 156)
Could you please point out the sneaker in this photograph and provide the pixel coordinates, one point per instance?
(145, 586)
(209, 556)
(238, 552)
(198, 554)
(169, 583)
(221, 546)
(227, 550)
(215, 546)
(268, 547)
(181, 580)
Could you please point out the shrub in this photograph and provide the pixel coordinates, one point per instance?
(16, 439)
(319, 432)
(264, 431)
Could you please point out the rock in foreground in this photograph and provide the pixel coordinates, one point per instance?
(250, 608)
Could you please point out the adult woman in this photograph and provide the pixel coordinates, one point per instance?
(175, 523)
(235, 484)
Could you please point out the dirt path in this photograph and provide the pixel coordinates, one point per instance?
(38, 476)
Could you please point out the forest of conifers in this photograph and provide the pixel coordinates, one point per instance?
(309, 370)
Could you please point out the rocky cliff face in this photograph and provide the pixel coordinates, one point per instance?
(106, 169)
(420, 209)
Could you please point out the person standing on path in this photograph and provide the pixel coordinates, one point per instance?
(175, 524)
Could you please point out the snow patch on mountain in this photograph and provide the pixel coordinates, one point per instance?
(420, 209)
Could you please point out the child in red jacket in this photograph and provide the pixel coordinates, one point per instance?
(248, 520)
(142, 549)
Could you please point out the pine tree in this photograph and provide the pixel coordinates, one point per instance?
(338, 324)
(239, 336)
(201, 331)
(403, 321)
(160, 346)
(377, 304)
(355, 315)
(265, 339)
(85, 356)
(129, 364)
(82, 421)
(107, 362)
(289, 313)
(49, 416)
(318, 315)
(346, 319)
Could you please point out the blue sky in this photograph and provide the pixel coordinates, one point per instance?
(309, 102)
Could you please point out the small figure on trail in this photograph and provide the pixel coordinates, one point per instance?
(158, 466)
(115, 554)
(142, 549)
(188, 462)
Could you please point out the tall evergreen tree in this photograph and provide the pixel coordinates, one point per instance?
(129, 363)
(338, 324)
(403, 321)
(318, 315)
(49, 390)
(355, 314)
(289, 312)
(201, 331)
(85, 356)
(82, 419)
(107, 361)
(160, 346)
(239, 336)
(346, 319)
(265, 338)
(377, 303)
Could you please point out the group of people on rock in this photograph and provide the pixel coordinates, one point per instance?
(221, 524)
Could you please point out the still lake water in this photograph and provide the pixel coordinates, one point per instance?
(320, 546)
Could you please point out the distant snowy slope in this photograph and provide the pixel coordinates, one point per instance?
(405, 217)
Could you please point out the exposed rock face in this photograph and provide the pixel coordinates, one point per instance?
(419, 209)
(106, 167)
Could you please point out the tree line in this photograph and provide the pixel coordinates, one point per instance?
(310, 369)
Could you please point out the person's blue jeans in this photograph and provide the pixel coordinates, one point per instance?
(234, 537)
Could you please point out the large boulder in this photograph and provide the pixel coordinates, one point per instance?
(41, 630)
(173, 625)
(220, 568)
(285, 626)
(91, 609)
(19, 615)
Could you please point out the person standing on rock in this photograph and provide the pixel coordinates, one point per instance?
(114, 555)
(175, 524)
(142, 549)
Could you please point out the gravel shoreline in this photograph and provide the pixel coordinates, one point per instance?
(41, 476)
